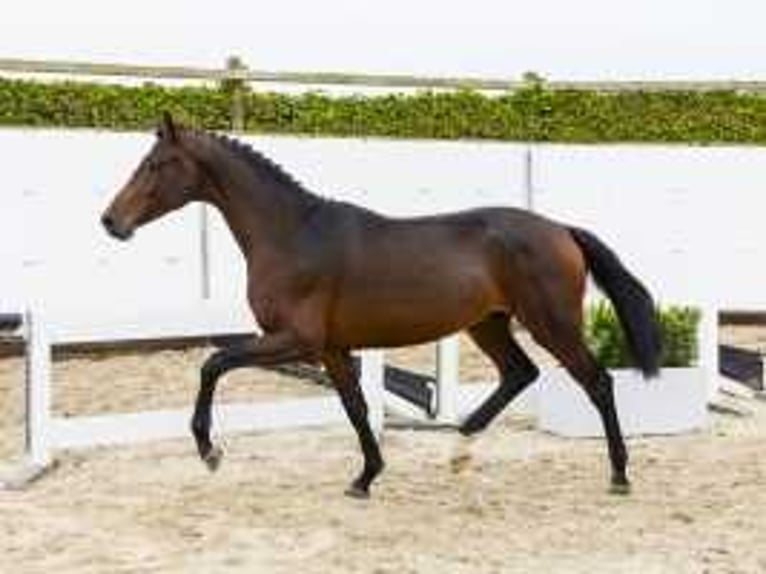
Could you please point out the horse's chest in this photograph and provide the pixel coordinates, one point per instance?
(277, 301)
(267, 312)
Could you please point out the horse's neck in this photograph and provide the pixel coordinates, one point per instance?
(262, 213)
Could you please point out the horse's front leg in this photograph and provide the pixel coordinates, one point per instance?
(270, 349)
(340, 367)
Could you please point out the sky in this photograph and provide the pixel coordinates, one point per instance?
(560, 39)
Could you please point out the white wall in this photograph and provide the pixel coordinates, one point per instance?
(690, 220)
(52, 246)
(686, 220)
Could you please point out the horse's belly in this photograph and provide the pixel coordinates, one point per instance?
(390, 314)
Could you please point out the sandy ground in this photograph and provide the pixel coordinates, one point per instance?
(527, 502)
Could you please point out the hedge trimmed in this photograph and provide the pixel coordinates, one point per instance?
(533, 113)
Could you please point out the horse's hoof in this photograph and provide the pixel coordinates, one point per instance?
(357, 492)
(213, 458)
(620, 488)
(471, 426)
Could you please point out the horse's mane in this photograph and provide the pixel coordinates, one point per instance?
(255, 159)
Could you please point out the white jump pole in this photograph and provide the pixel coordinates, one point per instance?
(447, 377)
(38, 393)
(708, 348)
(37, 401)
(371, 381)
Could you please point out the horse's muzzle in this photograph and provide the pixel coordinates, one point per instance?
(115, 230)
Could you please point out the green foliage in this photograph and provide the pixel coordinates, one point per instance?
(532, 113)
(607, 341)
(70, 104)
(605, 336)
(679, 332)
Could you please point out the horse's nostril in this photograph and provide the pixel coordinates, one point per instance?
(114, 229)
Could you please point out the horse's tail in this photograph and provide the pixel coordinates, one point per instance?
(632, 301)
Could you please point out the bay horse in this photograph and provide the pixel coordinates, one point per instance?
(327, 277)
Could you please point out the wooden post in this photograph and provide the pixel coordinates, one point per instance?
(235, 84)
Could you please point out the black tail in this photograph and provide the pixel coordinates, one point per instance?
(631, 300)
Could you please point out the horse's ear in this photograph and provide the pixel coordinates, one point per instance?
(167, 129)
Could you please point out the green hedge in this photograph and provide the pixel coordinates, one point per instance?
(679, 336)
(529, 114)
(69, 104)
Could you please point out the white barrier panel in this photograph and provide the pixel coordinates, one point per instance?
(45, 432)
(674, 403)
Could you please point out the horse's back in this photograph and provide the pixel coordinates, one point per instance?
(418, 249)
(434, 274)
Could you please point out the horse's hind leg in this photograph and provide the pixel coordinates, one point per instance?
(563, 338)
(516, 369)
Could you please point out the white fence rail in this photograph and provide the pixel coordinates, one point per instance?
(235, 69)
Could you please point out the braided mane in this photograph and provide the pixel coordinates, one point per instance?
(255, 159)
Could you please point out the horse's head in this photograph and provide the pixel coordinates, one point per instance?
(167, 178)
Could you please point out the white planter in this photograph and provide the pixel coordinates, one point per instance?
(675, 402)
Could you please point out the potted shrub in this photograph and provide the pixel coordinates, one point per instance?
(673, 402)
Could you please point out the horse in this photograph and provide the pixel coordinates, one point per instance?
(325, 278)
